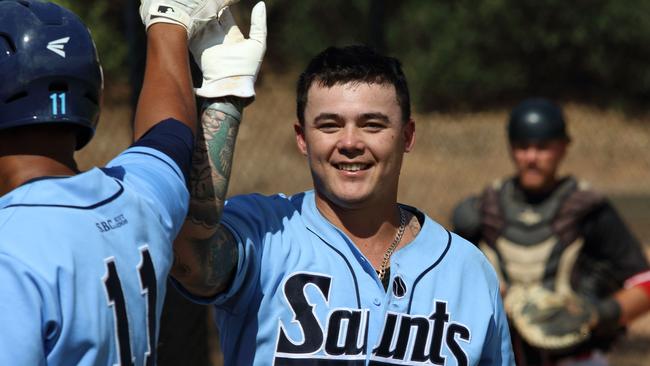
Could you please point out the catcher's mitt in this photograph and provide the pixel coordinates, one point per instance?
(548, 320)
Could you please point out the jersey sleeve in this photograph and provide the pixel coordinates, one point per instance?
(28, 325)
(607, 238)
(498, 349)
(253, 221)
(157, 166)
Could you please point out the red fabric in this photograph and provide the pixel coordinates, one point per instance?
(641, 280)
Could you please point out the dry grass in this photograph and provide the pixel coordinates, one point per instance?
(455, 155)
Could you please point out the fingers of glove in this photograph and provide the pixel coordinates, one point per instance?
(204, 9)
(230, 62)
(210, 9)
(212, 34)
(230, 70)
(258, 23)
(233, 34)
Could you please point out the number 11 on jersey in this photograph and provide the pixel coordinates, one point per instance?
(117, 301)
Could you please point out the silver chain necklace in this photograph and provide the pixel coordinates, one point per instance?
(393, 245)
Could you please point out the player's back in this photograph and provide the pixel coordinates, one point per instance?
(87, 256)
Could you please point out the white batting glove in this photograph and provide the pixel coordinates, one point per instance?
(229, 61)
(191, 14)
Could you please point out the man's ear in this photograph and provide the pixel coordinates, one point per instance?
(409, 135)
(300, 138)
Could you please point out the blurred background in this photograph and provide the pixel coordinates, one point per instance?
(468, 63)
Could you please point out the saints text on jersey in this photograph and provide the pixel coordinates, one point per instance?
(342, 339)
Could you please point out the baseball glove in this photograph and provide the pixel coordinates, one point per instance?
(548, 320)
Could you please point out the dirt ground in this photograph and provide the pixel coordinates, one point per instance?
(455, 155)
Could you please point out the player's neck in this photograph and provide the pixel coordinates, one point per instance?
(362, 219)
(34, 152)
(16, 170)
(371, 226)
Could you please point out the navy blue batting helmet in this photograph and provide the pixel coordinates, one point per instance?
(49, 70)
(536, 120)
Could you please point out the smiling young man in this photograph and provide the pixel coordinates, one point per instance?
(540, 228)
(342, 274)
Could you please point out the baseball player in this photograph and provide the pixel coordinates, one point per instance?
(84, 256)
(539, 228)
(342, 274)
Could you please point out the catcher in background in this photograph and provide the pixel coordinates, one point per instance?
(572, 274)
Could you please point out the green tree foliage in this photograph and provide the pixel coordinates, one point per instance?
(466, 53)
(104, 19)
(475, 52)
(458, 53)
(300, 29)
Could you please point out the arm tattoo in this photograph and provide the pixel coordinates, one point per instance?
(219, 258)
(211, 164)
(213, 248)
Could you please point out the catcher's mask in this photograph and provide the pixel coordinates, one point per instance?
(536, 120)
(49, 69)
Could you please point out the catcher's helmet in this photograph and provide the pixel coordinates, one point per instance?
(49, 70)
(535, 120)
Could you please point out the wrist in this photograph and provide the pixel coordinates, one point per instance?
(236, 86)
(609, 315)
(231, 106)
(160, 13)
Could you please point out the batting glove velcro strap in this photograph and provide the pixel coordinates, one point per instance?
(190, 14)
(229, 61)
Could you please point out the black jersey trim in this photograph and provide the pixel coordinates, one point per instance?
(415, 283)
(347, 262)
(159, 158)
(91, 207)
(45, 177)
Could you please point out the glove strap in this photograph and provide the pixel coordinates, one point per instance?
(168, 14)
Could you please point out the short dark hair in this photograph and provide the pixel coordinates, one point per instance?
(359, 64)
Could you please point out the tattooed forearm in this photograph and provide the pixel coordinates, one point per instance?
(205, 253)
(206, 266)
(211, 162)
(220, 258)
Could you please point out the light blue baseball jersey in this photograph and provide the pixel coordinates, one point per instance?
(84, 262)
(303, 294)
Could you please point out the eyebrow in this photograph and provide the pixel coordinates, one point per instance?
(363, 116)
(326, 116)
(375, 115)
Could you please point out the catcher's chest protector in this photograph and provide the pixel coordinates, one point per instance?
(538, 243)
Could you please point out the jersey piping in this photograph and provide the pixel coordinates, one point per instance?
(348, 264)
(90, 207)
(417, 280)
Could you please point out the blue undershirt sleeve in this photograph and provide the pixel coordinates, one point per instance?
(172, 138)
